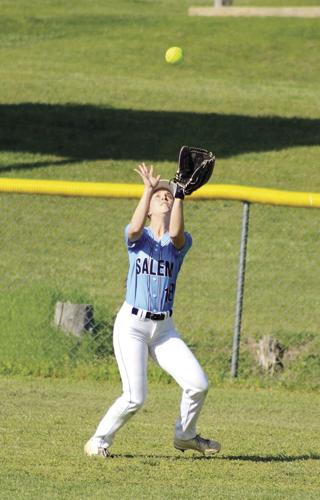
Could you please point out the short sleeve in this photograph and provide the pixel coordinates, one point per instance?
(187, 244)
(132, 245)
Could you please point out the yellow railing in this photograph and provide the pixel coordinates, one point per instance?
(115, 190)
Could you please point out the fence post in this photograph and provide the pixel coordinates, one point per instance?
(240, 289)
(222, 3)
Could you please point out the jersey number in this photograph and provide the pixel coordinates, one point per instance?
(169, 291)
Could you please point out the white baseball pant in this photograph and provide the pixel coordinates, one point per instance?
(134, 338)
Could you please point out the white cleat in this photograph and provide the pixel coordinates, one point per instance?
(96, 447)
(205, 446)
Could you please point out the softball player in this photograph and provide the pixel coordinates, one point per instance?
(144, 324)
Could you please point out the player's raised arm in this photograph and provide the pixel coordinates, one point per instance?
(195, 167)
(140, 214)
(176, 228)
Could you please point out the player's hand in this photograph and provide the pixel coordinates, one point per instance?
(149, 180)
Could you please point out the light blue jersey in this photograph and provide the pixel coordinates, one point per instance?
(153, 270)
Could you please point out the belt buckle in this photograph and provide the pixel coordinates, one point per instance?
(157, 316)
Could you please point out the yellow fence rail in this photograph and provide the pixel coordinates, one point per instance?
(115, 190)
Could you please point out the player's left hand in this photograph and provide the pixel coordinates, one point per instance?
(195, 167)
(146, 173)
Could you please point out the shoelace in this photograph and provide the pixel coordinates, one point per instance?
(103, 451)
(202, 441)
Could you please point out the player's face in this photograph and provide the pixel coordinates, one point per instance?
(161, 202)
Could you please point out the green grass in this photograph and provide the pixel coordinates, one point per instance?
(269, 444)
(86, 95)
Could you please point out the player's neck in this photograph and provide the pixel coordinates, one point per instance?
(159, 226)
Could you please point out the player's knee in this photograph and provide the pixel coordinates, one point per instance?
(135, 406)
(206, 386)
(136, 403)
(202, 386)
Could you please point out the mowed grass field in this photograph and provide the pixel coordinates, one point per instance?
(86, 95)
(269, 444)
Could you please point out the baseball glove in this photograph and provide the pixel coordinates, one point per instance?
(195, 167)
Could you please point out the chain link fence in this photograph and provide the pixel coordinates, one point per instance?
(281, 297)
(72, 249)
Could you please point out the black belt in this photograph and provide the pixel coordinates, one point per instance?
(151, 315)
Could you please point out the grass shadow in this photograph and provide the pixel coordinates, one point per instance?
(159, 457)
(79, 132)
(271, 458)
(245, 458)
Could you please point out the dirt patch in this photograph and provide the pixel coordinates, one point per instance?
(255, 11)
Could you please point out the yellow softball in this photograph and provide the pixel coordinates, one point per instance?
(174, 55)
